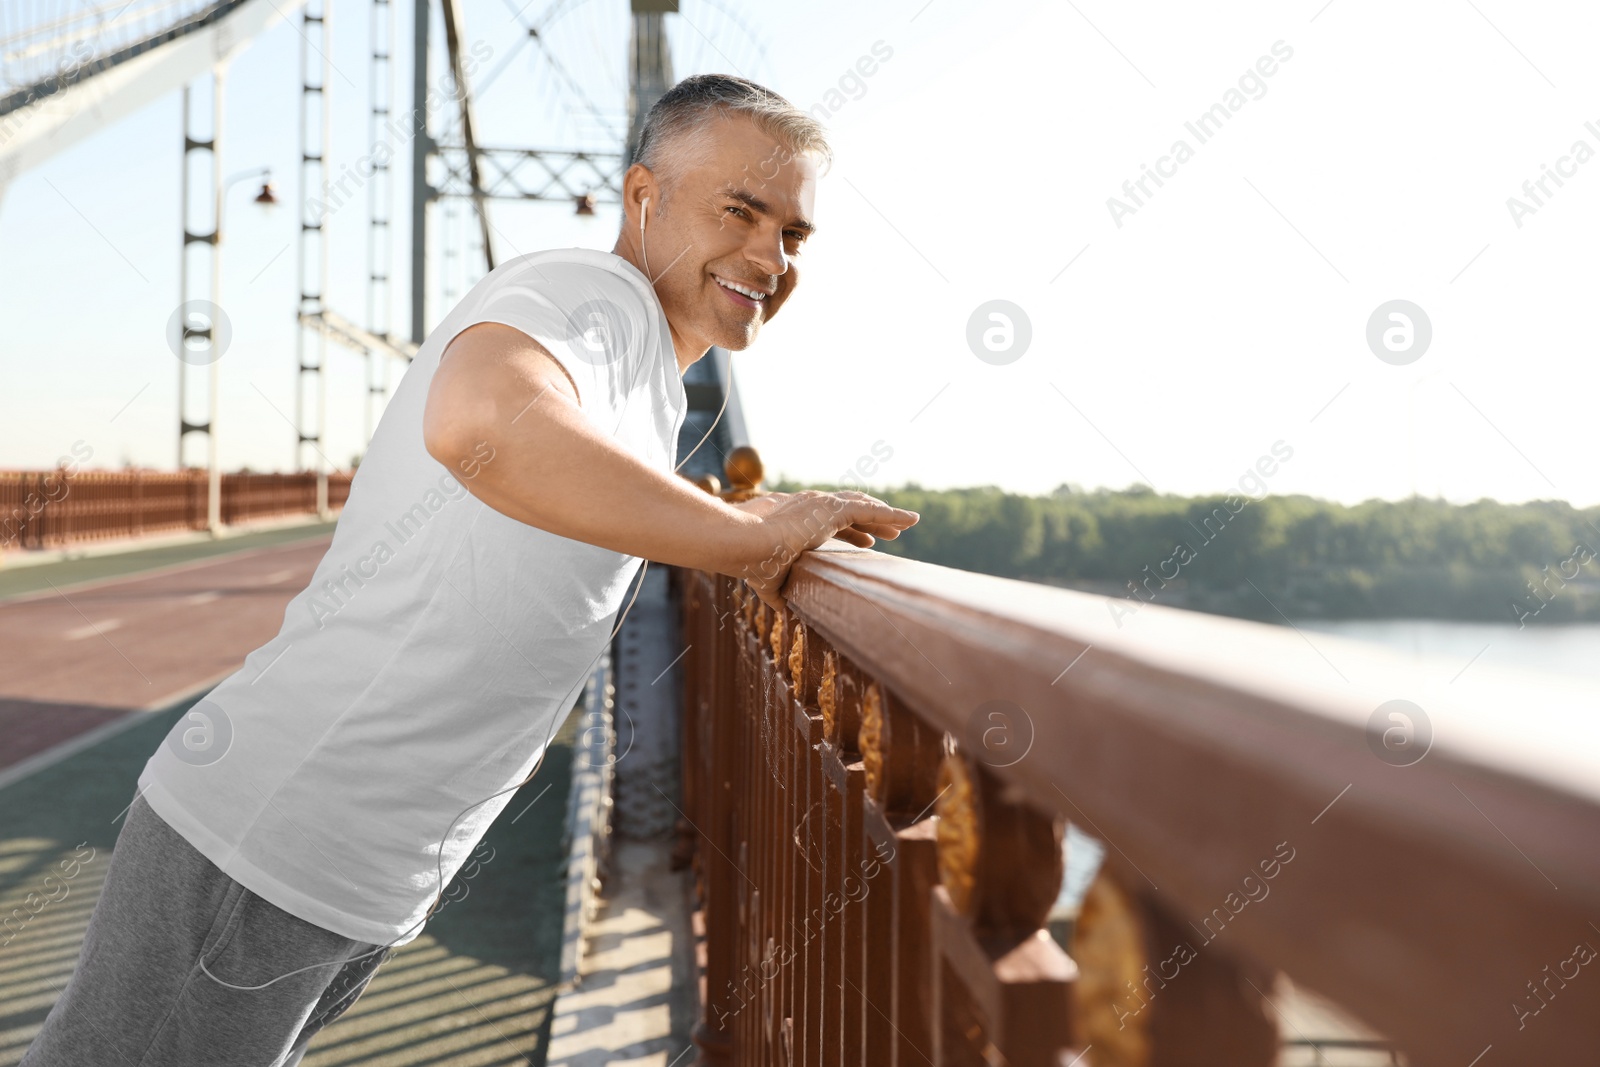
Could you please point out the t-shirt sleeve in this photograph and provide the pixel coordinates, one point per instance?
(592, 322)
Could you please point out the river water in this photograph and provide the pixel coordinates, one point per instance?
(1572, 650)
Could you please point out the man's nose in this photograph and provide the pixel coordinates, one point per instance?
(766, 251)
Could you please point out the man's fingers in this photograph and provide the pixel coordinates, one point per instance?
(807, 519)
(869, 512)
(855, 495)
(888, 533)
(854, 536)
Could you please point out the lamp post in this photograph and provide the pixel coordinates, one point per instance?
(266, 198)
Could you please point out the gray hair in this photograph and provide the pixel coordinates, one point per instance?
(688, 106)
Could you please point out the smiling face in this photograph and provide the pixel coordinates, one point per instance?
(722, 250)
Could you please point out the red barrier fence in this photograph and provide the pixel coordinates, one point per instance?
(54, 509)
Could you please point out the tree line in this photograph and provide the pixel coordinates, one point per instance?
(1530, 563)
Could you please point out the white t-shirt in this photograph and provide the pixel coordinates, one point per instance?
(439, 644)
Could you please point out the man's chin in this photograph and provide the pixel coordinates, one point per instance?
(737, 339)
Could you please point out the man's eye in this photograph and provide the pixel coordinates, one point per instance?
(795, 235)
(737, 210)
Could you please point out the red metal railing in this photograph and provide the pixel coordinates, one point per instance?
(52, 509)
(875, 866)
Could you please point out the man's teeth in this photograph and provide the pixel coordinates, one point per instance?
(753, 294)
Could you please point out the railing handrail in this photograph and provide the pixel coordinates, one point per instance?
(1423, 896)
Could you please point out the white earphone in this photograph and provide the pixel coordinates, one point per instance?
(644, 209)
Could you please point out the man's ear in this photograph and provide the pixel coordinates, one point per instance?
(638, 185)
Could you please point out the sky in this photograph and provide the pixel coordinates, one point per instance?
(1362, 161)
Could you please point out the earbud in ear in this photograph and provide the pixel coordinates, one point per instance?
(644, 209)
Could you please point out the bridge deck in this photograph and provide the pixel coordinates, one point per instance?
(86, 645)
(475, 988)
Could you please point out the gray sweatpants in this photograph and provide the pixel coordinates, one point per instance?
(169, 938)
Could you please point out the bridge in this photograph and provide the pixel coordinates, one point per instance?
(918, 815)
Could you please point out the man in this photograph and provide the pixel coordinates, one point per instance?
(305, 817)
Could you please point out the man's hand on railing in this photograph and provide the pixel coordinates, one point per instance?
(793, 523)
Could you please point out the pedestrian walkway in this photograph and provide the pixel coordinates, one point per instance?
(87, 642)
(635, 1001)
(474, 988)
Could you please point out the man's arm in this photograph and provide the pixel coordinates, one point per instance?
(554, 470)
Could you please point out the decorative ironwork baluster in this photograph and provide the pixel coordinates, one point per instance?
(1002, 987)
(1152, 993)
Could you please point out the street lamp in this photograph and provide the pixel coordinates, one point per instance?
(266, 198)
